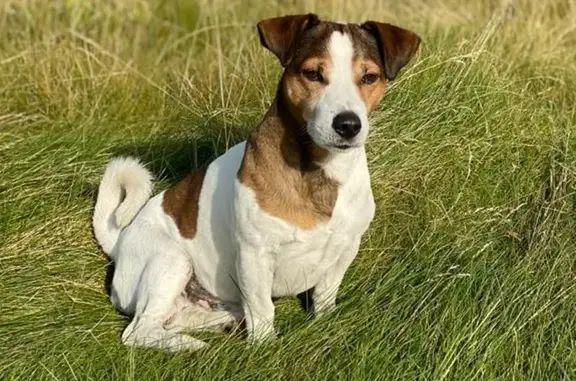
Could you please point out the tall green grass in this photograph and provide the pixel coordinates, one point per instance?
(468, 271)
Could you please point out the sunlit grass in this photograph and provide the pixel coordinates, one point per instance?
(468, 271)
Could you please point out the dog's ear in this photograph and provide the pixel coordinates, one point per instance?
(396, 45)
(279, 34)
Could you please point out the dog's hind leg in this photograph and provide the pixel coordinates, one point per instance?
(162, 282)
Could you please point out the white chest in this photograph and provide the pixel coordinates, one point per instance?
(302, 257)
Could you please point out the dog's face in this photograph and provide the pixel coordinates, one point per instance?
(335, 74)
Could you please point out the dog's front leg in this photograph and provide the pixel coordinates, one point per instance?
(324, 294)
(255, 277)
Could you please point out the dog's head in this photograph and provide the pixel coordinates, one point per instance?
(335, 74)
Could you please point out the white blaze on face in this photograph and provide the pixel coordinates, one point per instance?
(340, 95)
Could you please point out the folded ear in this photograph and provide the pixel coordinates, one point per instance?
(396, 45)
(279, 34)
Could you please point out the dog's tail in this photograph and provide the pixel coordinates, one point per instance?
(125, 188)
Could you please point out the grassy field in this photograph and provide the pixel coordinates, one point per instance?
(468, 271)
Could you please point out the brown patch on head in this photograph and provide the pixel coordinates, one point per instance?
(181, 203)
(308, 70)
(300, 42)
(280, 35)
(367, 67)
(396, 45)
(380, 51)
(371, 93)
(300, 92)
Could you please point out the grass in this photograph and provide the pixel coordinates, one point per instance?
(468, 271)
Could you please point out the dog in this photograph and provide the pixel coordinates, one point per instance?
(281, 213)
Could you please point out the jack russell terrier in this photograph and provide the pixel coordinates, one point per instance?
(280, 214)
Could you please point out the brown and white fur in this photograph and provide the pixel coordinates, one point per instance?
(279, 214)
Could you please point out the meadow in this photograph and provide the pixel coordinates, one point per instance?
(468, 271)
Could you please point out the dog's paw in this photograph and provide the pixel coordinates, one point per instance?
(264, 334)
(157, 337)
(181, 342)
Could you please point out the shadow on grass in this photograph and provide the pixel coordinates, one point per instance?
(170, 159)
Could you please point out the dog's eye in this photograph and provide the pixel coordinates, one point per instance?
(313, 75)
(369, 78)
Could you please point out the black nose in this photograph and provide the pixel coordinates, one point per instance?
(347, 124)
